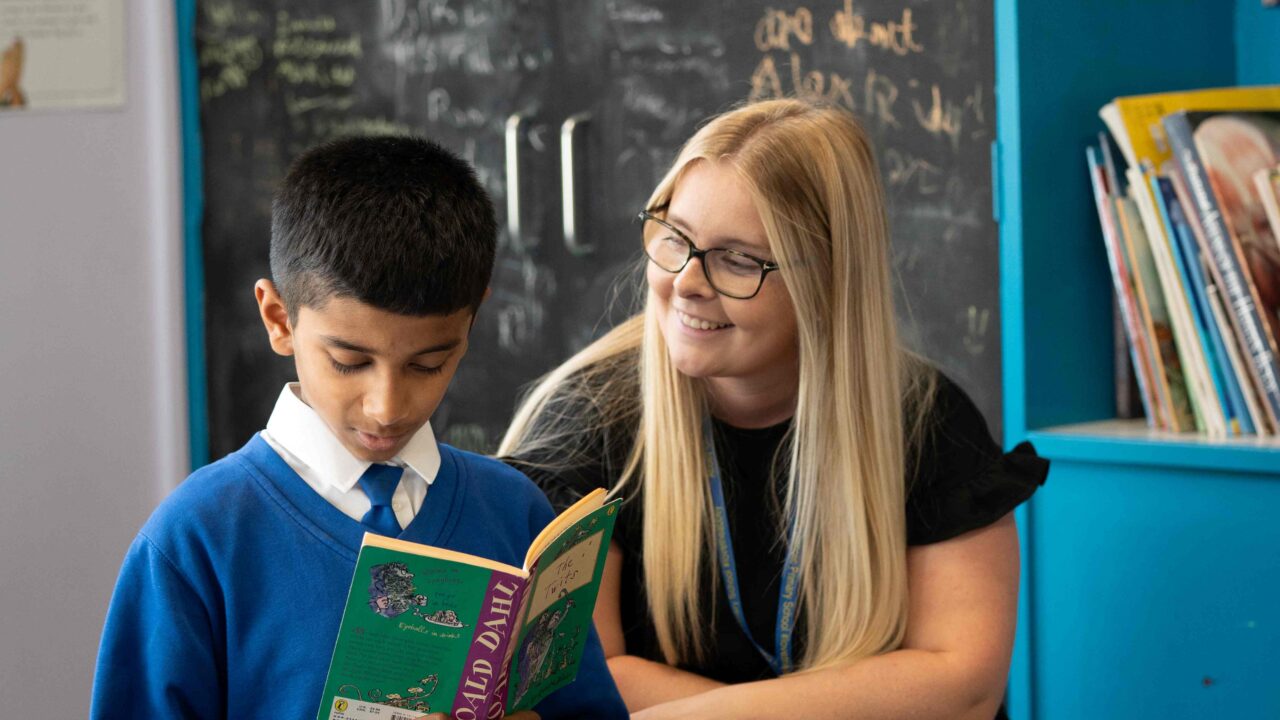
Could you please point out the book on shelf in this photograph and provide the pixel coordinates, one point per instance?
(1217, 154)
(1206, 410)
(1135, 120)
(1122, 282)
(1191, 268)
(1220, 412)
(1168, 373)
(432, 630)
(1240, 376)
(1128, 400)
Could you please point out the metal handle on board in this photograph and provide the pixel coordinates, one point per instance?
(513, 177)
(567, 186)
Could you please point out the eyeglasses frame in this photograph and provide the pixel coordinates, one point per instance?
(766, 266)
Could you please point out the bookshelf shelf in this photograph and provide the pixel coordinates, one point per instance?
(1151, 560)
(1131, 442)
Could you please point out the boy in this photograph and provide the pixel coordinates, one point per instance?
(230, 597)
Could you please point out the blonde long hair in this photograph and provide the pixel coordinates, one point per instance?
(860, 404)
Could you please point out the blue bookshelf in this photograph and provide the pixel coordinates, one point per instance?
(1151, 561)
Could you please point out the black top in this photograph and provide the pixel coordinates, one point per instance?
(959, 481)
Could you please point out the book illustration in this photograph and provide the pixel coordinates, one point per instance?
(413, 698)
(536, 647)
(1233, 147)
(392, 592)
(447, 618)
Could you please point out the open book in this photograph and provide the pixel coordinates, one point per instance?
(433, 630)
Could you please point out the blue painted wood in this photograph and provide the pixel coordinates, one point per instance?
(1156, 594)
(1257, 35)
(193, 216)
(1007, 182)
(1148, 565)
(1193, 452)
(1073, 58)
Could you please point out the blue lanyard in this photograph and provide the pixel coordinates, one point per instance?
(786, 622)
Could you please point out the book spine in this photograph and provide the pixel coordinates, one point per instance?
(1252, 418)
(1189, 263)
(1229, 269)
(1238, 365)
(1213, 397)
(494, 634)
(502, 691)
(1159, 339)
(1124, 295)
(1188, 352)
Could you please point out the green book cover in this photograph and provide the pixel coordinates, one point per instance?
(433, 630)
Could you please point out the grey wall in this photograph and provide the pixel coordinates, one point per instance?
(92, 389)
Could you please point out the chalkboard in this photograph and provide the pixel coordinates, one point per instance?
(608, 90)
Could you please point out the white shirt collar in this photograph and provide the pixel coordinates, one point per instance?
(298, 429)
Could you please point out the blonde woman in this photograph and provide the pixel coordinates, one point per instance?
(817, 524)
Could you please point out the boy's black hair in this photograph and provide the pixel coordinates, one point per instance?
(399, 223)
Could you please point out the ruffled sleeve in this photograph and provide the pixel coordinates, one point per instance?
(958, 479)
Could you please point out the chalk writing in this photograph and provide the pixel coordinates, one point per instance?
(301, 46)
(902, 169)
(850, 28)
(299, 104)
(976, 324)
(357, 125)
(767, 83)
(226, 64)
(879, 96)
(946, 118)
(775, 30)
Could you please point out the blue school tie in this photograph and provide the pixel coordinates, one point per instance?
(379, 483)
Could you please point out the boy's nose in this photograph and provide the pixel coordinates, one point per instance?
(386, 403)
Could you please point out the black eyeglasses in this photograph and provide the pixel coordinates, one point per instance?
(731, 273)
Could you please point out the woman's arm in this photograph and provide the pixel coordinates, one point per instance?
(952, 664)
(642, 683)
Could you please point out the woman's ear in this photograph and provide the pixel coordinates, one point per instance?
(275, 317)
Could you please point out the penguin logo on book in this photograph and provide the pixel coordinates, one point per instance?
(340, 705)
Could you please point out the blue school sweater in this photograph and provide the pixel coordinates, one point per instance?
(229, 600)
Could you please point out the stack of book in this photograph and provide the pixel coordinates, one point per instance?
(1192, 232)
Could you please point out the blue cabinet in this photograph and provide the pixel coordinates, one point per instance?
(1151, 561)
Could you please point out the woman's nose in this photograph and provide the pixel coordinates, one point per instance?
(692, 281)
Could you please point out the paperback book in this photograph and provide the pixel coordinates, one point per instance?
(1217, 154)
(432, 630)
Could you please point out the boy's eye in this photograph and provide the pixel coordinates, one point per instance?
(428, 370)
(345, 369)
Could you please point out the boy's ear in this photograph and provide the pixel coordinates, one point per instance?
(275, 317)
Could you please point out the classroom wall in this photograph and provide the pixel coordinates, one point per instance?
(92, 392)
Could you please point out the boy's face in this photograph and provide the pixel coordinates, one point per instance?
(374, 377)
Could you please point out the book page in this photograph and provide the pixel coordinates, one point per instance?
(557, 617)
(588, 504)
